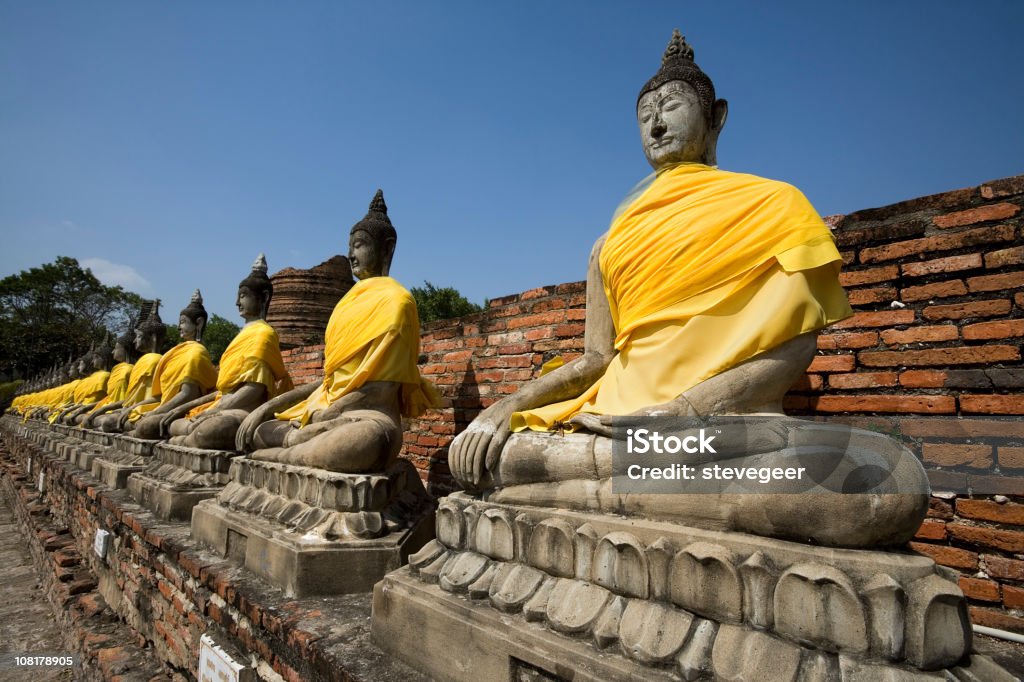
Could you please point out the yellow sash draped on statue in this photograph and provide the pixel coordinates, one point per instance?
(140, 382)
(703, 271)
(188, 361)
(117, 385)
(373, 335)
(253, 356)
(63, 397)
(92, 388)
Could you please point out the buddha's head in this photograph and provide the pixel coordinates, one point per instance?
(100, 358)
(371, 243)
(124, 347)
(192, 320)
(80, 367)
(255, 292)
(150, 334)
(679, 117)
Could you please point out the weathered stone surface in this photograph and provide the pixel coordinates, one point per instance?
(303, 300)
(938, 630)
(818, 605)
(741, 655)
(653, 633)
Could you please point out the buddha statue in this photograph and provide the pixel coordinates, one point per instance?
(251, 371)
(117, 382)
(704, 299)
(351, 422)
(149, 337)
(183, 374)
(92, 387)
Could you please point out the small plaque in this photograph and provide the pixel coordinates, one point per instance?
(29, 466)
(42, 482)
(102, 543)
(217, 665)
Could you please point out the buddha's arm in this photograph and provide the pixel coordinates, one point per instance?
(248, 397)
(181, 410)
(110, 407)
(475, 451)
(265, 412)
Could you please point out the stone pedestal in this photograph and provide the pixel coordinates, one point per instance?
(177, 478)
(126, 456)
(543, 594)
(314, 532)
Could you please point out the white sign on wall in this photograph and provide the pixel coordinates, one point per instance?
(102, 543)
(216, 665)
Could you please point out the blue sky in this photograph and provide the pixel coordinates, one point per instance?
(165, 144)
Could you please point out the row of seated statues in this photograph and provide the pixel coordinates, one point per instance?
(349, 422)
(704, 298)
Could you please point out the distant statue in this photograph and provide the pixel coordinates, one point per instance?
(183, 374)
(117, 382)
(704, 298)
(352, 421)
(92, 388)
(251, 371)
(149, 337)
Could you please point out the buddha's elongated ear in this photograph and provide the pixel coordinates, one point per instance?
(719, 112)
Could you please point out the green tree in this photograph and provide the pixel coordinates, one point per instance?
(216, 337)
(54, 311)
(436, 303)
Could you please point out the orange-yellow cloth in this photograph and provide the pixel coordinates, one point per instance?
(188, 361)
(253, 356)
(373, 335)
(63, 397)
(117, 385)
(92, 388)
(140, 381)
(703, 271)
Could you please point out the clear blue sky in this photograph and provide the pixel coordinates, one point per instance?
(166, 144)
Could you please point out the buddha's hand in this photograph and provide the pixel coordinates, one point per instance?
(247, 430)
(475, 452)
(615, 426)
(122, 418)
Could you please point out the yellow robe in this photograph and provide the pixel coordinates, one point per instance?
(373, 335)
(253, 356)
(188, 361)
(117, 385)
(704, 270)
(92, 388)
(63, 398)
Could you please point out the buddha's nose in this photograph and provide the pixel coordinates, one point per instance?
(657, 127)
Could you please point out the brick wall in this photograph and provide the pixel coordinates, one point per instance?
(937, 284)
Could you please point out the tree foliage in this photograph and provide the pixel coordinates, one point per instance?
(435, 303)
(216, 337)
(57, 310)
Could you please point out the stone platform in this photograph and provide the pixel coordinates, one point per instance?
(177, 478)
(124, 457)
(542, 594)
(314, 532)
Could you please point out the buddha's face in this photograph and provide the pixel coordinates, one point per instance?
(673, 125)
(187, 328)
(366, 255)
(120, 353)
(97, 362)
(140, 340)
(248, 303)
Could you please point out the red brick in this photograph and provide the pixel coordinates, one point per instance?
(939, 509)
(959, 311)
(1004, 257)
(847, 340)
(976, 215)
(539, 292)
(931, 530)
(808, 382)
(872, 295)
(895, 337)
(936, 290)
(1012, 457)
(994, 330)
(930, 404)
(939, 357)
(862, 380)
(538, 320)
(564, 330)
(948, 556)
(923, 378)
(1019, 300)
(882, 318)
(833, 363)
(962, 428)
(945, 242)
(949, 455)
(1006, 187)
(1013, 597)
(987, 510)
(993, 404)
(868, 276)
(939, 265)
(1001, 567)
(1006, 540)
(1001, 282)
(996, 619)
(981, 590)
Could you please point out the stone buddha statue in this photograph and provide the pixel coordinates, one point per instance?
(92, 387)
(183, 374)
(351, 422)
(117, 382)
(704, 299)
(149, 336)
(251, 371)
